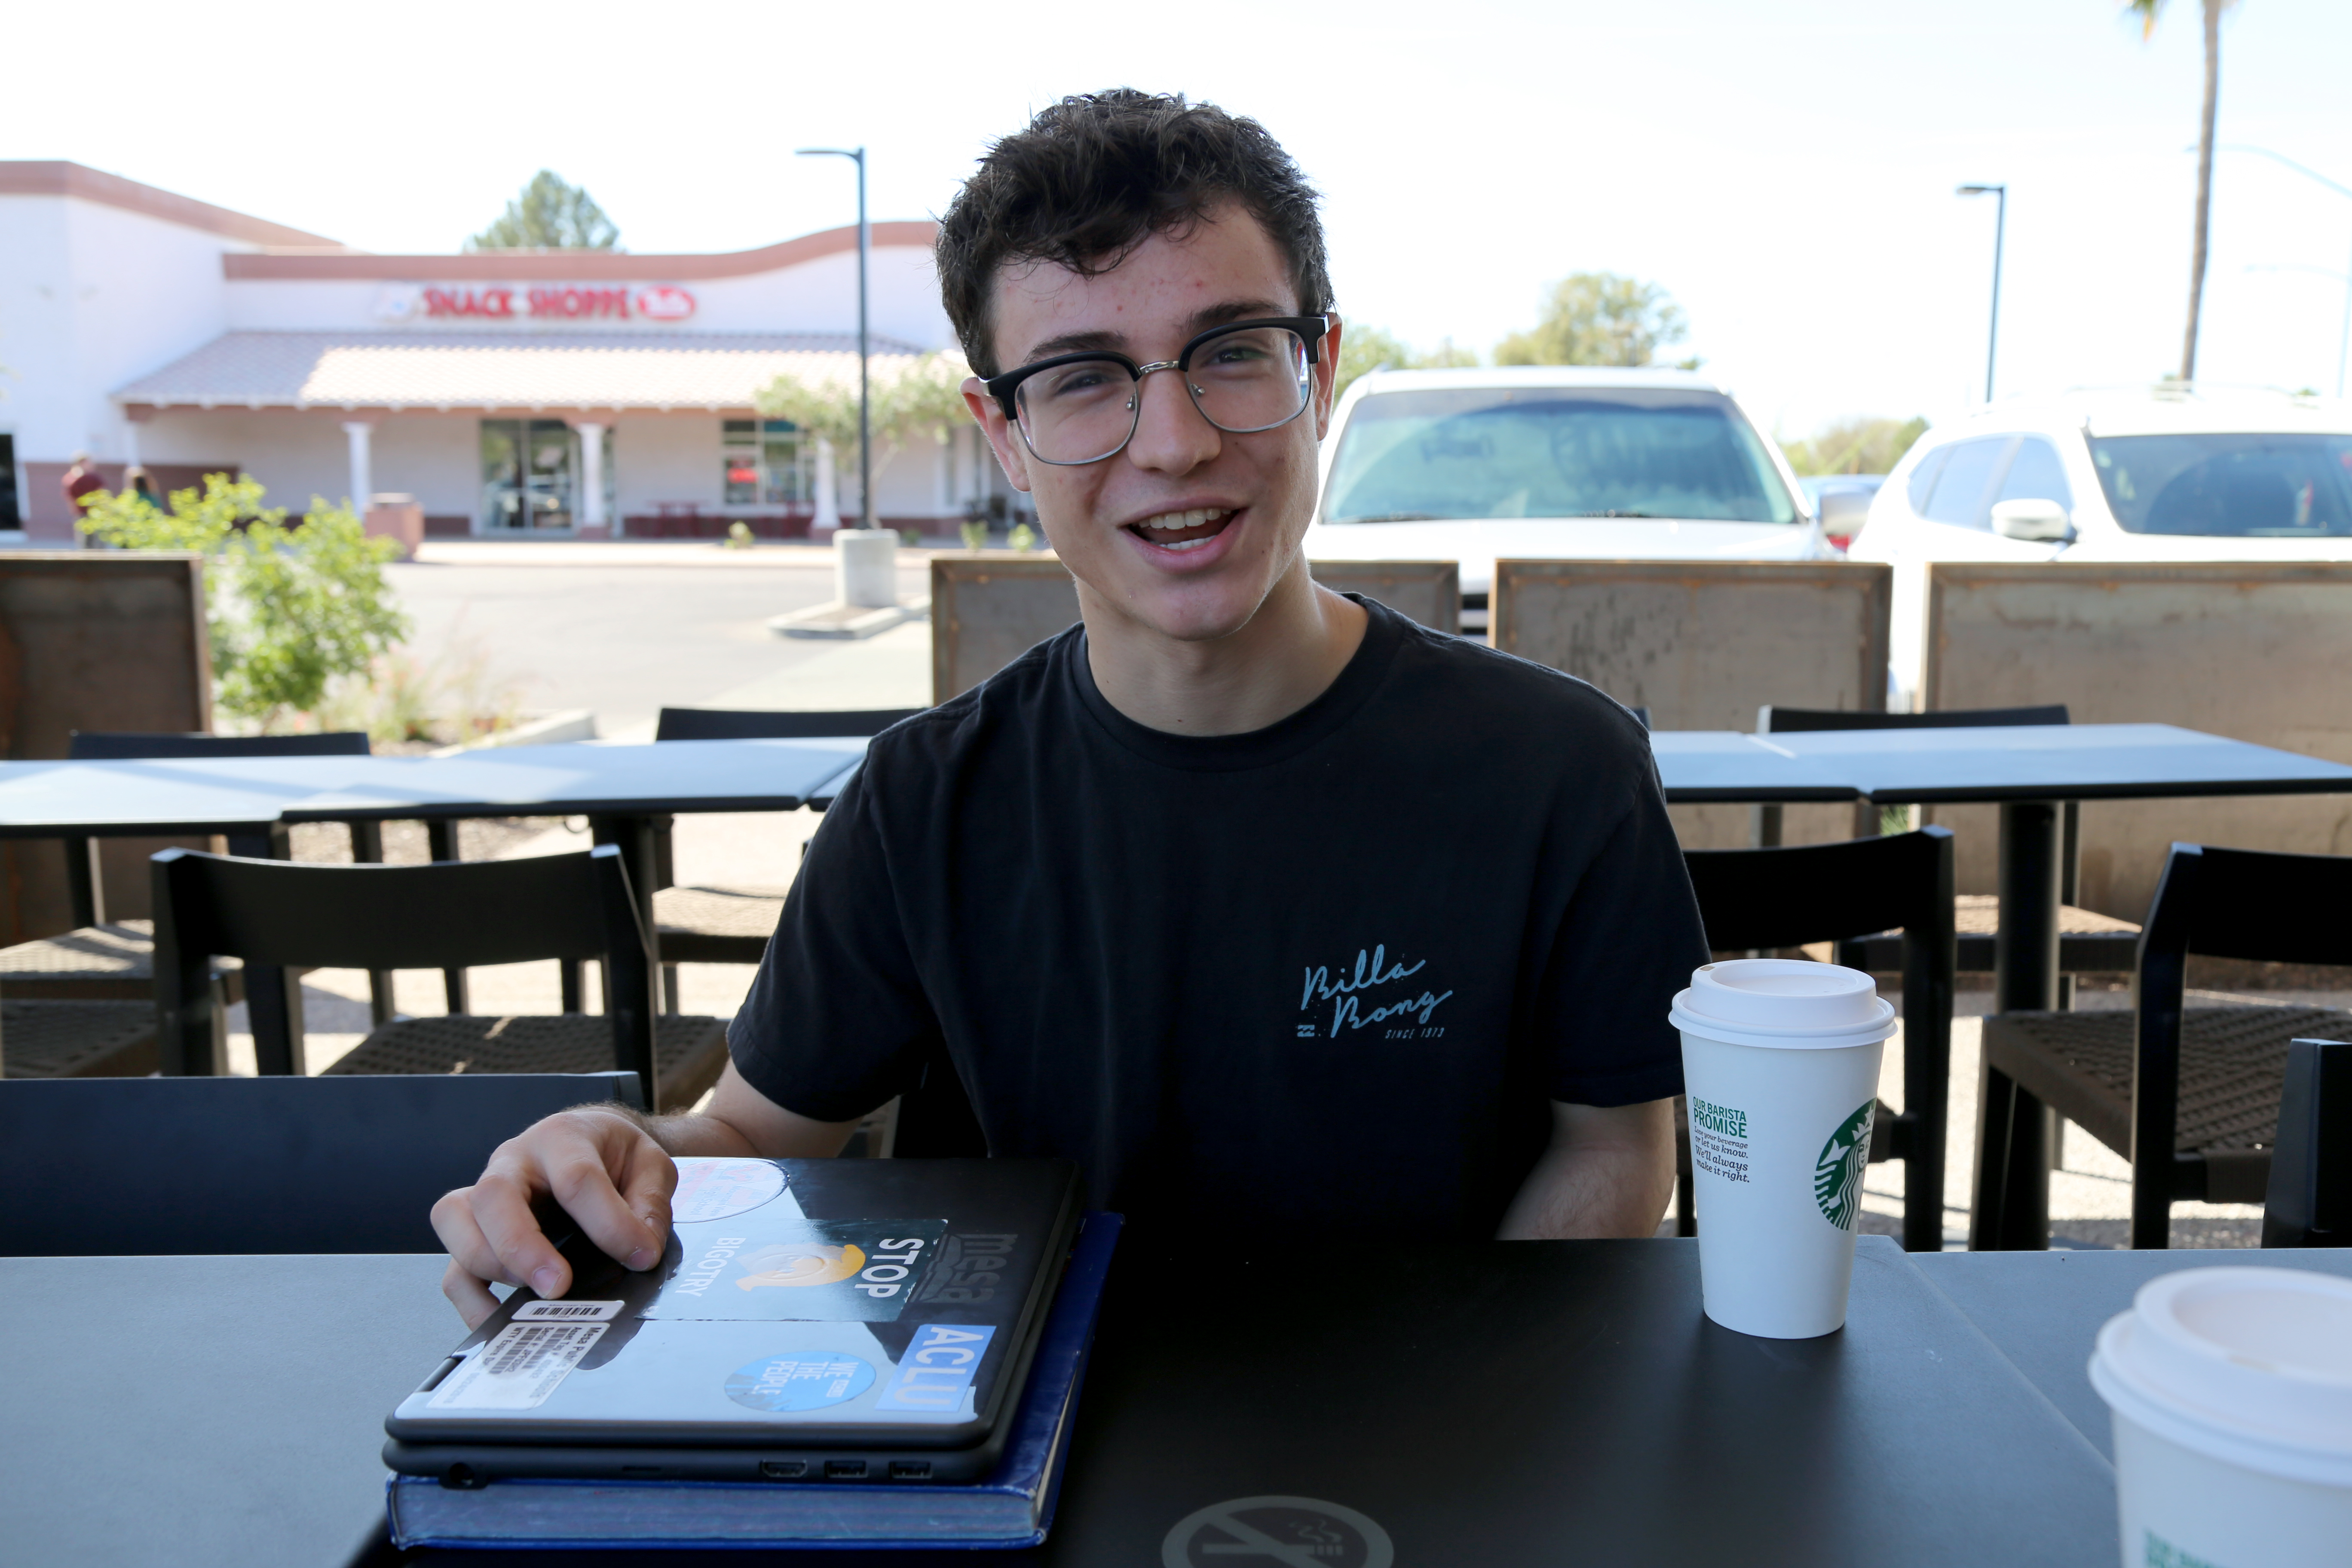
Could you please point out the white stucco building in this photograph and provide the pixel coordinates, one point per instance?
(514, 393)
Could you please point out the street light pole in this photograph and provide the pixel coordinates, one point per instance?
(2344, 337)
(1999, 228)
(864, 422)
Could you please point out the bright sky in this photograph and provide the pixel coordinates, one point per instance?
(1785, 171)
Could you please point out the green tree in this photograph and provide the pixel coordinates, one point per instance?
(1364, 349)
(1857, 445)
(1599, 318)
(908, 398)
(286, 609)
(2148, 11)
(549, 215)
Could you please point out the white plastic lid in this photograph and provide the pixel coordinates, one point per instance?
(2250, 1365)
(1783, 1002)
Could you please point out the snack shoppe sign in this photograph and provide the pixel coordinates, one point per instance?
(404, 302)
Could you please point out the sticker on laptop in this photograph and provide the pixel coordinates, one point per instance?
(567, 1312)
(721, 1189)
(934, 1377)
(817, 1270)
(806, 1380)
(518, 1368)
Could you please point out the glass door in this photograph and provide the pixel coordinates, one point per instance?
(527, 476)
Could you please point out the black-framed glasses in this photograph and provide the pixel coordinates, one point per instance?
(1243, 378)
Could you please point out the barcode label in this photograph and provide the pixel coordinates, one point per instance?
(519, 1368)
(567, 1312)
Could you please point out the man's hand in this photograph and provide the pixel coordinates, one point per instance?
(599, 1162)
(1609, 1171)
(611, 1170)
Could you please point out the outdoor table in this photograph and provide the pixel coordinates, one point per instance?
(1478, 1403)
(240, 797)
(2044, 1310)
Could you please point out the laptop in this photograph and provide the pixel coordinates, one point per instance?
(809, 1321)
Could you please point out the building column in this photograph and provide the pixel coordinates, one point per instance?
(363, 474)
(829, 498)
(589, 517)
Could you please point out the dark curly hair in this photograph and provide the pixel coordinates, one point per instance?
(1095, 175)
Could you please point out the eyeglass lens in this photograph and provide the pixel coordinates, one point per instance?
(1245, 380)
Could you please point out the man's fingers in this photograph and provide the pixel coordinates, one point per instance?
(469, 1248)
(584, 1183)
(651, 1177)
(501, 1207)
(472, 1299)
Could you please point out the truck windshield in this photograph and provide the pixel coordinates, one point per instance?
(1477, 452)
(2237, 486)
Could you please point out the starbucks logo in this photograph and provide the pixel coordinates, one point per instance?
(1837, 1176)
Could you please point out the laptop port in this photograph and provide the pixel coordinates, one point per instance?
(460, 1478)
(784, 1469)
(844, 1469)
(643, 1470)
(910, 1469)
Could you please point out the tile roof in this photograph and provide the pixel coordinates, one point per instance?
(586, 371)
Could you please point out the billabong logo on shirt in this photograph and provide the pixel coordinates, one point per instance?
(1401, 1014)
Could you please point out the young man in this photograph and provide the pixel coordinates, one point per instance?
(1282, 916)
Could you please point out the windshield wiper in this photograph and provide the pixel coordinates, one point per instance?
(1652, 515)
(1393, 517)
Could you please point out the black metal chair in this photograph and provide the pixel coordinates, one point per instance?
(1752, 898)
(2190, 1096)
(2309, 1200)
(570, 907)
(2088, 941)
(731, 924)
(82, 1002)
(231, 1165)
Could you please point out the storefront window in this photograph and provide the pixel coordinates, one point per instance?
(766, 462)
(527, 474)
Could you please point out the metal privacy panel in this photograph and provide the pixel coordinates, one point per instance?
(2253, 651)
(1703, 644)
(988, 607)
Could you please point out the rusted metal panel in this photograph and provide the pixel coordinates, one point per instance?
(1703, 644)
(1429, 592)
(988, 607)
(2255, 650)
(93, 640)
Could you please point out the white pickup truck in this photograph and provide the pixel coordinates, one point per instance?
(1552, 462)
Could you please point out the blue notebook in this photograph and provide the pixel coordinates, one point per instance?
(1014, 1507)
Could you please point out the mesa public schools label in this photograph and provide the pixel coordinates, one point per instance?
(518, 1369)
(1276, 1530)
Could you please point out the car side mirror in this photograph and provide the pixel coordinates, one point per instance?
(1844, 511)
(2033, 522)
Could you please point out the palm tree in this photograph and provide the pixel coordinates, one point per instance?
(2149, 11)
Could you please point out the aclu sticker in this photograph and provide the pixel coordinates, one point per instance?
(934, 1377)
(810, 1379)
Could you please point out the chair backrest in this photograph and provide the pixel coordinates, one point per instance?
(1776, 720)
(132, 1166)
(447, 915)
(1816, 892)
(2250, 904)
(2309, 1203)
(88, 746)
(740, 725)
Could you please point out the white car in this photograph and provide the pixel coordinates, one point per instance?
(1552, 463)
(2160, 473)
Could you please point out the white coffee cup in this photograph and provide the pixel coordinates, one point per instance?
(1781, 1068)
(2232, 1394)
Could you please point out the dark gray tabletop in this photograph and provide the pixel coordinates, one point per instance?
(1529, 1403)
(587, 779)
(2044, 1310)
(206, 1410)
(2056, 761)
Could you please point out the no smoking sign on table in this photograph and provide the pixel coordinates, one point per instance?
(1266, 1531)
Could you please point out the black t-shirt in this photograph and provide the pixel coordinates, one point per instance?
(1319, 980)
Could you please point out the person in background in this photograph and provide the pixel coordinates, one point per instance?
(82, 478)
(138, 481)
